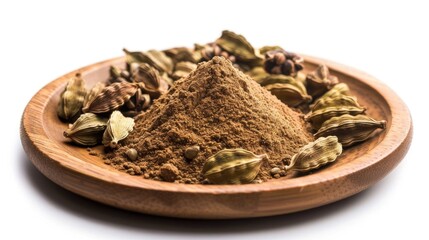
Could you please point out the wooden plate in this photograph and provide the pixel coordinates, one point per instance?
(358, 168)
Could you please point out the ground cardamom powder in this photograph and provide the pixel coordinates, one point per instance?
(215, 107)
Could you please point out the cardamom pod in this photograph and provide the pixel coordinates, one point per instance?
(279, 78)
(232, 166)
(86, 130)
(182, 69)
(258, 73)
(338, 89)
(71, 99)
(350, 129)
(118, 128)
(92, 94)
(288, 94)
(154, 58)
(238, 46)
(317, 118)
(181, 54)
(111, 97)
(266, 49)
(150, 81)
(320, 81)
(316, 154)
(335, 101)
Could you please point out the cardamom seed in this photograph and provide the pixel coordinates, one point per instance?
(320, 81)
(288, 94)
(86, 130)
(232, 166)
(350, 129)
(71, 99)
(118, 128)
(318, 117)
(282, 62)
(132, 154)
(111, 97)
(316, 154)
(192, 152)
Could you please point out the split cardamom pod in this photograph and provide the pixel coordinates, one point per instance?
(154, 58)
(316, 154)
(350, 129)
(111, 97)
(289, 94)
(87, 129)
(118, 128)
(232, 166)
(71, 99)
(320, 81)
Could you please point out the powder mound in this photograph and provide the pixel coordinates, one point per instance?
(214, 107)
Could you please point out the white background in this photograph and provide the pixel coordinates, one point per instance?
(41, 40)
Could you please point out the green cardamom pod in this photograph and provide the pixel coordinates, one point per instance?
(154, 58)
(232, 166)
(335, 101)
(316, 154)
(317, 118)
(71, 99)
(279, 78)
(86, 130)
(181, 54)
(118, 128)
(238, 46)
(92, 94)
(289, 94)
(350, 129)
(111, 97)
(338, 89)
(320, 81)
(182, 69)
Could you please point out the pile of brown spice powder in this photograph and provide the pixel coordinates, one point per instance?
(215, 107)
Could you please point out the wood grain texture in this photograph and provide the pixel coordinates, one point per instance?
(358, 168)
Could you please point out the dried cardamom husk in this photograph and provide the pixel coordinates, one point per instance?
(335, 101)
(316, 154)
(232, 166)
(154, 58)
(317, 118)
(150, 81)
(71, 99)
(238, 46)
(320, 81)
(181, 54)
(92, 94)
(350, 129)
(87, 130)
(289, 94)
(283, 62)
(118, 128)
(111, 97)
(182, 69)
